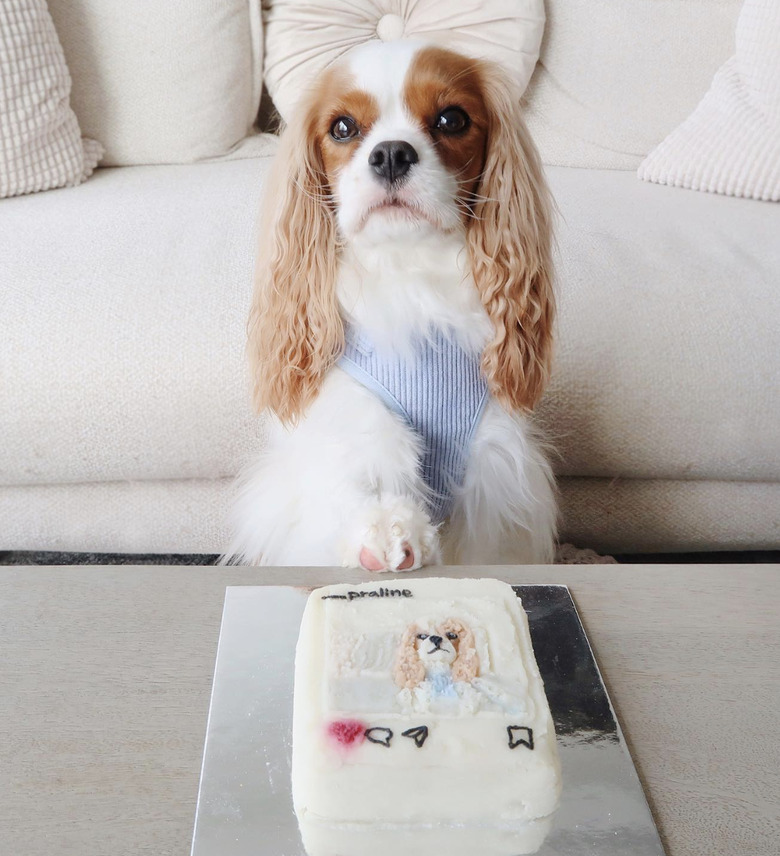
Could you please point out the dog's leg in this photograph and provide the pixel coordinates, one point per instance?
(392, 533)
(340, 488)
(506, 512)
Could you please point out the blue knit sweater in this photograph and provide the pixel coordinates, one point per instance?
(440, 393)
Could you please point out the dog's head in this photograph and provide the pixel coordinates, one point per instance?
(397, 141)
(449, 644)
(402, 134)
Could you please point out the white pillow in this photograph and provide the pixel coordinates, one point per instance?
(731, 142)
(615, 76)
(40, 140)
(163, 81)
(303, 36)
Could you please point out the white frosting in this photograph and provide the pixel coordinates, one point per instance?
(450, 663)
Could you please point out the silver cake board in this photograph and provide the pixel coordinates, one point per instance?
(245, 805)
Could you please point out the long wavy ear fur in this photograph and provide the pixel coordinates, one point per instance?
(295, 332)
(509, 241)
(466, 664)
(409, 671)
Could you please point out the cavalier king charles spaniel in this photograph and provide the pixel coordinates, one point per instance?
(400, 330)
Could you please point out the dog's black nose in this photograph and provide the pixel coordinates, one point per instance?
(437, 640)
(392, 159)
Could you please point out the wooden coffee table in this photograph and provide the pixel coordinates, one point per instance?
(105, 677)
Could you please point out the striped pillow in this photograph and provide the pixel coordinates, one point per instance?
(40, 141)
(731, 142)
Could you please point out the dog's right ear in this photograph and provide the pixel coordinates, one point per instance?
(409, 671)
(295, 331)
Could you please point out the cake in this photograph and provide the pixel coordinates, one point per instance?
(420, 721)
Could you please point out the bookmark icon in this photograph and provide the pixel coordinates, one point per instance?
(519, 735)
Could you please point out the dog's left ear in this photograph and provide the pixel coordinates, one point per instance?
(509, 239)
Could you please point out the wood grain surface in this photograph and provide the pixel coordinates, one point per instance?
(105, 677)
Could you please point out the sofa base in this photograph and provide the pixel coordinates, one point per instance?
(665, 516)
(188, 516)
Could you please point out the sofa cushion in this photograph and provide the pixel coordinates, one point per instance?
(303, 36)
(731, 142)
(124, 303)
(667, 356)
(191, 515)
(613, 79)
(163, 82)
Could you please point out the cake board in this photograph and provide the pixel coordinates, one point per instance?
(244, 802)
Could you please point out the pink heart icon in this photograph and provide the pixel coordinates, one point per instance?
(347, 732)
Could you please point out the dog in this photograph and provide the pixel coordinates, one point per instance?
(400, 331)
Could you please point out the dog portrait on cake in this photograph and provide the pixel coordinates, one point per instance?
(400, 332)
(443, 656)
(438, 669)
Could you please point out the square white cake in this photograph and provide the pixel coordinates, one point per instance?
(420, 720)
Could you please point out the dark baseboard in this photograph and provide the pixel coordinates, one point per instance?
(727, 557)
(30, 557)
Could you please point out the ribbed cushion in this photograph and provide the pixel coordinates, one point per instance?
(303, 36)
(40, 141)
(731, 142)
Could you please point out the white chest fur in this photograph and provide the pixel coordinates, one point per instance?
(396, 290)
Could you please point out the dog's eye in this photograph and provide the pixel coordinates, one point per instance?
(344, 128)
(452, 120)
(452, 636)
(422, 635)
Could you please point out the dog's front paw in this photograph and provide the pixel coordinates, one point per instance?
(394, 535)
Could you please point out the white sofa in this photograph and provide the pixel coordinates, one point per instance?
(124, 408)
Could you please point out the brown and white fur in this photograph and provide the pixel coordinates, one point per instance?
(451, 646)
(462, 242)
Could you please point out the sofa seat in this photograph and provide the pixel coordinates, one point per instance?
(668, 359)
(125, 302)
(122, 381)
